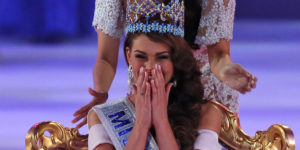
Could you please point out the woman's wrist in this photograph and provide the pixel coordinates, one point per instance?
(141, 130)
(137, 138)
(160, 116)
(142, 124)
(219, 55)
(99, 97)
(161, 123)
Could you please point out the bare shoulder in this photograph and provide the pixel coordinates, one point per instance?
(209, 109)
(93, 118)
(211, 117)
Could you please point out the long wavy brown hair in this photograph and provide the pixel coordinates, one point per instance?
(186, 97)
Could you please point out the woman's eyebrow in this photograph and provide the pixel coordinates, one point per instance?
(162, 53)
(139, 51)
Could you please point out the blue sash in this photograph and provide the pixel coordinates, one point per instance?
(118, 118)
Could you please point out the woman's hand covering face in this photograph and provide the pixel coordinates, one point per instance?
(159, 96)
(151, 97)
(142, 99)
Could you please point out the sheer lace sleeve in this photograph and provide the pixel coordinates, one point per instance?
(216, 21)
(214, 88)
(109, 17)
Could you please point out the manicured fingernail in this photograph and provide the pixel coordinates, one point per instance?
(159, 67)
(141, 69)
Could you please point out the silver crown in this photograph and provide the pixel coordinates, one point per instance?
(137, 9)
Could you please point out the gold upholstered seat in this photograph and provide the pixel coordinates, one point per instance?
(52, 135)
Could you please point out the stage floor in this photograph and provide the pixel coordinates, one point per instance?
(42, 82)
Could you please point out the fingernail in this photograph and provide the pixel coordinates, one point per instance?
(141, 69)
(159, 67)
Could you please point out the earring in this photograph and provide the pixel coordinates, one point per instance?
(130, 74)
(130, 81)
(174, 83)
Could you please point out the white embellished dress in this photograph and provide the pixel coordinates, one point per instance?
(216, 23)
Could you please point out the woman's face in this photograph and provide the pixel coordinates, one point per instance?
(146, 53)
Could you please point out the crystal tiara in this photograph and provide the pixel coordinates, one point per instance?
(147, 9)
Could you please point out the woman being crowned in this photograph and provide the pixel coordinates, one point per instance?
(166, 109)
(208, 30)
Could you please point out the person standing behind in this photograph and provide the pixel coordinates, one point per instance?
(214, 32)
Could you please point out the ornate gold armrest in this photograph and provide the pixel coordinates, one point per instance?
(277, 137)
(59, 138)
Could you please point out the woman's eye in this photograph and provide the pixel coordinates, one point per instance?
(140, 56)
(163, 57)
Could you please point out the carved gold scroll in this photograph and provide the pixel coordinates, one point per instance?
(277, 137)
(53, 136)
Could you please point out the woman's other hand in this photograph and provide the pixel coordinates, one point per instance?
(98, 98)
(160, 96)
(233, 75)
(236, 77)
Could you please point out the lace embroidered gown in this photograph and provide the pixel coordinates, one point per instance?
(216, 23)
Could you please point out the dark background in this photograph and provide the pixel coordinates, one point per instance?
(46, 20)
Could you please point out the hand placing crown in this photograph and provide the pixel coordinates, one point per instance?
(154, 16)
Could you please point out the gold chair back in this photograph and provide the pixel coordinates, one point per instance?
(53, 136)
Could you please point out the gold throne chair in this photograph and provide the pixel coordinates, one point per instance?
(53, 136)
